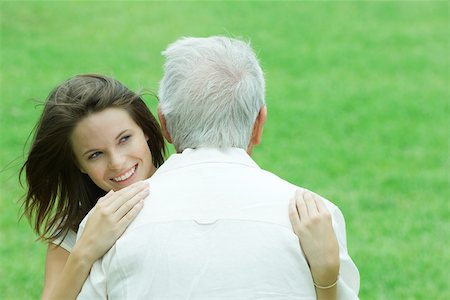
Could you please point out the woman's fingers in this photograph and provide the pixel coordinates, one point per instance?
(301, 205)
(307, 212)
(293, 215)
(129, 216)
(320, 205)
(106, 197)
(125, 194)
(310, 203)
(130, 204)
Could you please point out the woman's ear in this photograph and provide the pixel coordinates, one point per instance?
(162, 120)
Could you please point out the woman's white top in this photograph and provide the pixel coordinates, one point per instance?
(67, 242)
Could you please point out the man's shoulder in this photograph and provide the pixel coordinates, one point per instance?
(275, 177)
(273, 181)
(288, 185)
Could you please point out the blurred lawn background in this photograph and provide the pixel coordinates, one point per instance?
(358, 100)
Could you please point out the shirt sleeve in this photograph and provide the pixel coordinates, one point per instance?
(348, 283)
(67, 242)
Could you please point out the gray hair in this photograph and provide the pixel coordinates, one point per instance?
(211, 92)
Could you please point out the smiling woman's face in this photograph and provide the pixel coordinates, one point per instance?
(112, 149)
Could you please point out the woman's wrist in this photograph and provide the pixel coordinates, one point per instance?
(325, 275)
(325, 281)
(326, 287)
(82, 255)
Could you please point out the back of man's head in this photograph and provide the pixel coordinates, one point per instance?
(211, 93)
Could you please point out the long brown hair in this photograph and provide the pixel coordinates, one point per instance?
(59, 195)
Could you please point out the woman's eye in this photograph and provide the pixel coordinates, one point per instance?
(124, 139)
(94, 155)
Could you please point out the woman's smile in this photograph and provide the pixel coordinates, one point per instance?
(125, 175)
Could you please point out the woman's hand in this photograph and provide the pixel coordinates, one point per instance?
(111, 216)
(311, 222)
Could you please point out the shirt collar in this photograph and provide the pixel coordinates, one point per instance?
(207, 155)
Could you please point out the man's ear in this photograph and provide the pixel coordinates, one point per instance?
(258, 128)
(162, 120)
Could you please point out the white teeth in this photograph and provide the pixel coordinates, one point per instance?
(126, 175)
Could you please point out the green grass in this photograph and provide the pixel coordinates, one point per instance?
(358, 111)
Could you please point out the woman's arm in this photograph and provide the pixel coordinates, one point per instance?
(54, 264)
(312, 223)
(66, 272)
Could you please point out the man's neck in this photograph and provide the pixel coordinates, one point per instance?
(249, 150)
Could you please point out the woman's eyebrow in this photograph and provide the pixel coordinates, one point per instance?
(122, 132)
(89, 151)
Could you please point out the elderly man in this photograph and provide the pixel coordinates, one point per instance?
(215, 226)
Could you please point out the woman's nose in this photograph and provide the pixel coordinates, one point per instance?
(116, 161)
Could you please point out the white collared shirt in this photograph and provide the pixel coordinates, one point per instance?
(215, 226)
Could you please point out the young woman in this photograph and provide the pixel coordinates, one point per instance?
(94, 136)
(97, 140)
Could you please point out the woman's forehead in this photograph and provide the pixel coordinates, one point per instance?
(102, 127)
